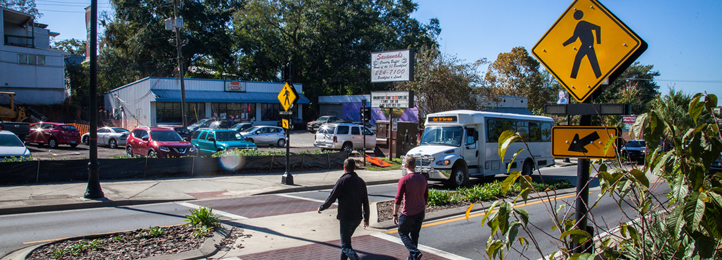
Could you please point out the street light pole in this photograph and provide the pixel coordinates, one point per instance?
(363, 128)
(181, 73)
(93, 191)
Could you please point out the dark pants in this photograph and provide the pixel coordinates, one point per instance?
(347, 229)
(409, 228)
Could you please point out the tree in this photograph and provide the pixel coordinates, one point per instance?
(327, 42)
(73, 46)
(444, 82)
(516, 73)
(637, 79)
(25, 6)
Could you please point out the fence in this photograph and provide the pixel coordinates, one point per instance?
(109, 169)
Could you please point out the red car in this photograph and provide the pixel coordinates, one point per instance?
(53, 134)
(158, 142)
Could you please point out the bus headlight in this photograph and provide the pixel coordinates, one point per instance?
(443, 162)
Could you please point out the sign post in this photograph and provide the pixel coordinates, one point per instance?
(288, 96)
(585, 48)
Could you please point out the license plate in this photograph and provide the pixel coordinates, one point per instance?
(72, 142)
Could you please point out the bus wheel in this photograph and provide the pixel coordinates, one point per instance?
(459, 176)
(528, 168)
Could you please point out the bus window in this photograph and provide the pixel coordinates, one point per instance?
(534, 132)
(546, 131)
(523, 128)
(470, 136)
(508, 125)
(493, 130)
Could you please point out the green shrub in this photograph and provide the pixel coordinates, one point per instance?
(203, 217)
(486, 192)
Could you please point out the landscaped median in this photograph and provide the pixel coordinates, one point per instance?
(444, 203)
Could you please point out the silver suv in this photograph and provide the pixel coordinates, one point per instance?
(343, 136)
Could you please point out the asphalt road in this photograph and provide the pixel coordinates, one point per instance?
(301, 140)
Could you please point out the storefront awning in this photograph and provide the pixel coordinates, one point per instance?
(166, 95)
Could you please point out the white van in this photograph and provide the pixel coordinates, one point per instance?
(460, 144)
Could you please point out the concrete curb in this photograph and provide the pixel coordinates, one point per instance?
(208, 248)
(431, 216)
(82, 205)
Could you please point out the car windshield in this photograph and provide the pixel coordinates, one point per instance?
(120, 130)
(165, 136)
(68, 128)
(10, 140)
(323, 118)
(442, 135)
(182, 130)
(228, 136)
(241, 126)
(252, 129)
(636, 144)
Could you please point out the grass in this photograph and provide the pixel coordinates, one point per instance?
(395, 165)
(486, 192)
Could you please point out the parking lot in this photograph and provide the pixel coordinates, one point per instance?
(301, 140)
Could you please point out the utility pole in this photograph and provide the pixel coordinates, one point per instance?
(176, 23)
(93, 190)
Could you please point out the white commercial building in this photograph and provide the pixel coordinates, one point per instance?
(28, 66)
(156, 101)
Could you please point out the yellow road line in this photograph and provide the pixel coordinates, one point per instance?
(483, 213)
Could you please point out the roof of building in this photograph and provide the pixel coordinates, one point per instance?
(166, 95)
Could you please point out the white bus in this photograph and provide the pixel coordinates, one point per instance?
(460, 144)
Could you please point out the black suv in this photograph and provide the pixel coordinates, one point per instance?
(635, 150)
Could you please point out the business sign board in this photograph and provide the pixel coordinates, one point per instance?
(389, 66)
(392, 99)
(235, 86)
(586, 142)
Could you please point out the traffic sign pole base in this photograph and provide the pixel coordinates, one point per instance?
(287, 178)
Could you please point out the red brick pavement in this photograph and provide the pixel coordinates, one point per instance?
(261, 206)
(367, 247)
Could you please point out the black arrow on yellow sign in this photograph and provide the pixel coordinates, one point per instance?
(578, 145)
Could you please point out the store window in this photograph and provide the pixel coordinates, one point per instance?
(269, 112)
(170, 112)
(239, 111)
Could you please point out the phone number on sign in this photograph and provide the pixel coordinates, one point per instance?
(389, 72)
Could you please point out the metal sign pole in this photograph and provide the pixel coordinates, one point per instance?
(582, 201)
(363, 128)
(391, 132)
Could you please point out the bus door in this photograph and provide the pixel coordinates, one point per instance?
(471, 148)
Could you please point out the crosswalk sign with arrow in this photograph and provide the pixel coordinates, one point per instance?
(586, 142)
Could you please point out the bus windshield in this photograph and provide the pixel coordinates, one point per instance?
(447, 135)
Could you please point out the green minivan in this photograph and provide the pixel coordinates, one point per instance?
(210, 141)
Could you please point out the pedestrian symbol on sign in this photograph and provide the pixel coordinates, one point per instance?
(583, 31)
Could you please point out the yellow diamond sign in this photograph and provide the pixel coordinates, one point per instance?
(587, 45)
(288, 96)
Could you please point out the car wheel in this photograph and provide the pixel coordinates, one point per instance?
(281, 142)
(347, 147)
(129, 151)
(459, 176)
(85, 140)
(151, 153)
(53, 143)
(113, 144)
(250, 140)
(527, 168)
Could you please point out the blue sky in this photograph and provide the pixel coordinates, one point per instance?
(683, 36)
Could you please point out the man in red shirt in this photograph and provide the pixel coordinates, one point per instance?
(413, 190)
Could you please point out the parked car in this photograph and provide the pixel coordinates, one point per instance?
(210, 141)
(716, 167)
(314, 125)
(202, 123)
(12, 147)
(240, 127)
(183, 132)
(345, 137)
(110, 136)
(53, 134)
(21, 129)
(220, 124)
(158, 141)
(635, 150)
(295, 124)
(270, 135)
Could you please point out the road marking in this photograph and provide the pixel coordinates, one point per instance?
(302, 198)
(432, 250)
(482, 214)
(219, 212)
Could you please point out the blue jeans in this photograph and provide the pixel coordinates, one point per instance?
(409, 228)
(347, 229)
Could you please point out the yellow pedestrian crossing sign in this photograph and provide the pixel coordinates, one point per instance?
(587, 45)
(284, 123)
(288, 96)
